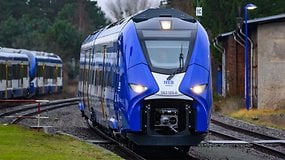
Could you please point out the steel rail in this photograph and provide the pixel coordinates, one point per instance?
(47, 108)
(244, 131)
(260, 147)
(23, 108)
(129, 153)
(44, 107)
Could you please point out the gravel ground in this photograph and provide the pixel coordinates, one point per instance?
(69, 120)
(265, 130)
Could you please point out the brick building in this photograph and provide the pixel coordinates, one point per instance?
(266, 59)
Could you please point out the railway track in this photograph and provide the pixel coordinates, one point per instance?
(122, 150)
(17, 113)
(265, 143)
(127, 151)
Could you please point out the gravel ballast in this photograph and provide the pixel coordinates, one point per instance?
(69, 120)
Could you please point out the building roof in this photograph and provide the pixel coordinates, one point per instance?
(256, 21)
(267, 19)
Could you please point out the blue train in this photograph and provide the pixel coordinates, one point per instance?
(27, 73)
(147, 78)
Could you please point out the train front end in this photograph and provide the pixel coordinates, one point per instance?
(169, 78)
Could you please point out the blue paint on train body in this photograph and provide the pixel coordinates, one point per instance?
(126, 86)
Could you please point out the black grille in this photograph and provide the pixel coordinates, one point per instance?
(168, 117)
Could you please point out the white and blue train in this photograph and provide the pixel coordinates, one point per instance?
(147, 78)
(27, 73)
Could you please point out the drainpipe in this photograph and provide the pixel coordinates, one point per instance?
(222, 50)
(239, 42)
(251, 67)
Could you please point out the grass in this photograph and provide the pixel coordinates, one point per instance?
(263, 117)
(18, 143)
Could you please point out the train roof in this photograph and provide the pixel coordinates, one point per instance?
(145, 15)
(44, 56)
(41, 56)
(9, 50)
(13, 56)
(162, 12)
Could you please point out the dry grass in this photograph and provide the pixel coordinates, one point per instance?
(263, 117)
(235, 107)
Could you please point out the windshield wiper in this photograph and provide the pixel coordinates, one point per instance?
(181, 65)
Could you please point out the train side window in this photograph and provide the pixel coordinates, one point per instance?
(57, 72)
(96, 77)
(25, 71)
(60, 72)
(10, 74)
(39, 71)
(44, 68)
(50, 69)
(15, 71)
(45, 73)
(3, 71)
(52, 72)
(80, 74)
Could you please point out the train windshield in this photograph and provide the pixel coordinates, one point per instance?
(167, 54)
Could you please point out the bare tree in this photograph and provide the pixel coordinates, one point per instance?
(117, 9)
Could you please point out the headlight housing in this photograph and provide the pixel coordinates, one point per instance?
(198, 89)
(138, 88)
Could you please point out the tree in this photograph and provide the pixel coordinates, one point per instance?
(48, 25)
(117, 9)
(64, 38)
(184, 5)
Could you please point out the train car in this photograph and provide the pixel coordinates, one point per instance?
(147, 78)
(45, 72)
(14, 74)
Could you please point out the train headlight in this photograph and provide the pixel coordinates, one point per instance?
(198, 89)
(138, 88)
(165, 25)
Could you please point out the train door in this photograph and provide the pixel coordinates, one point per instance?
(102, 89)
(84, 79)
(21, 80)
(40, 80)
(88, 77)
(1, 80)
(92, 78)
(55, 76)
(116, 81)
(9, 80)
